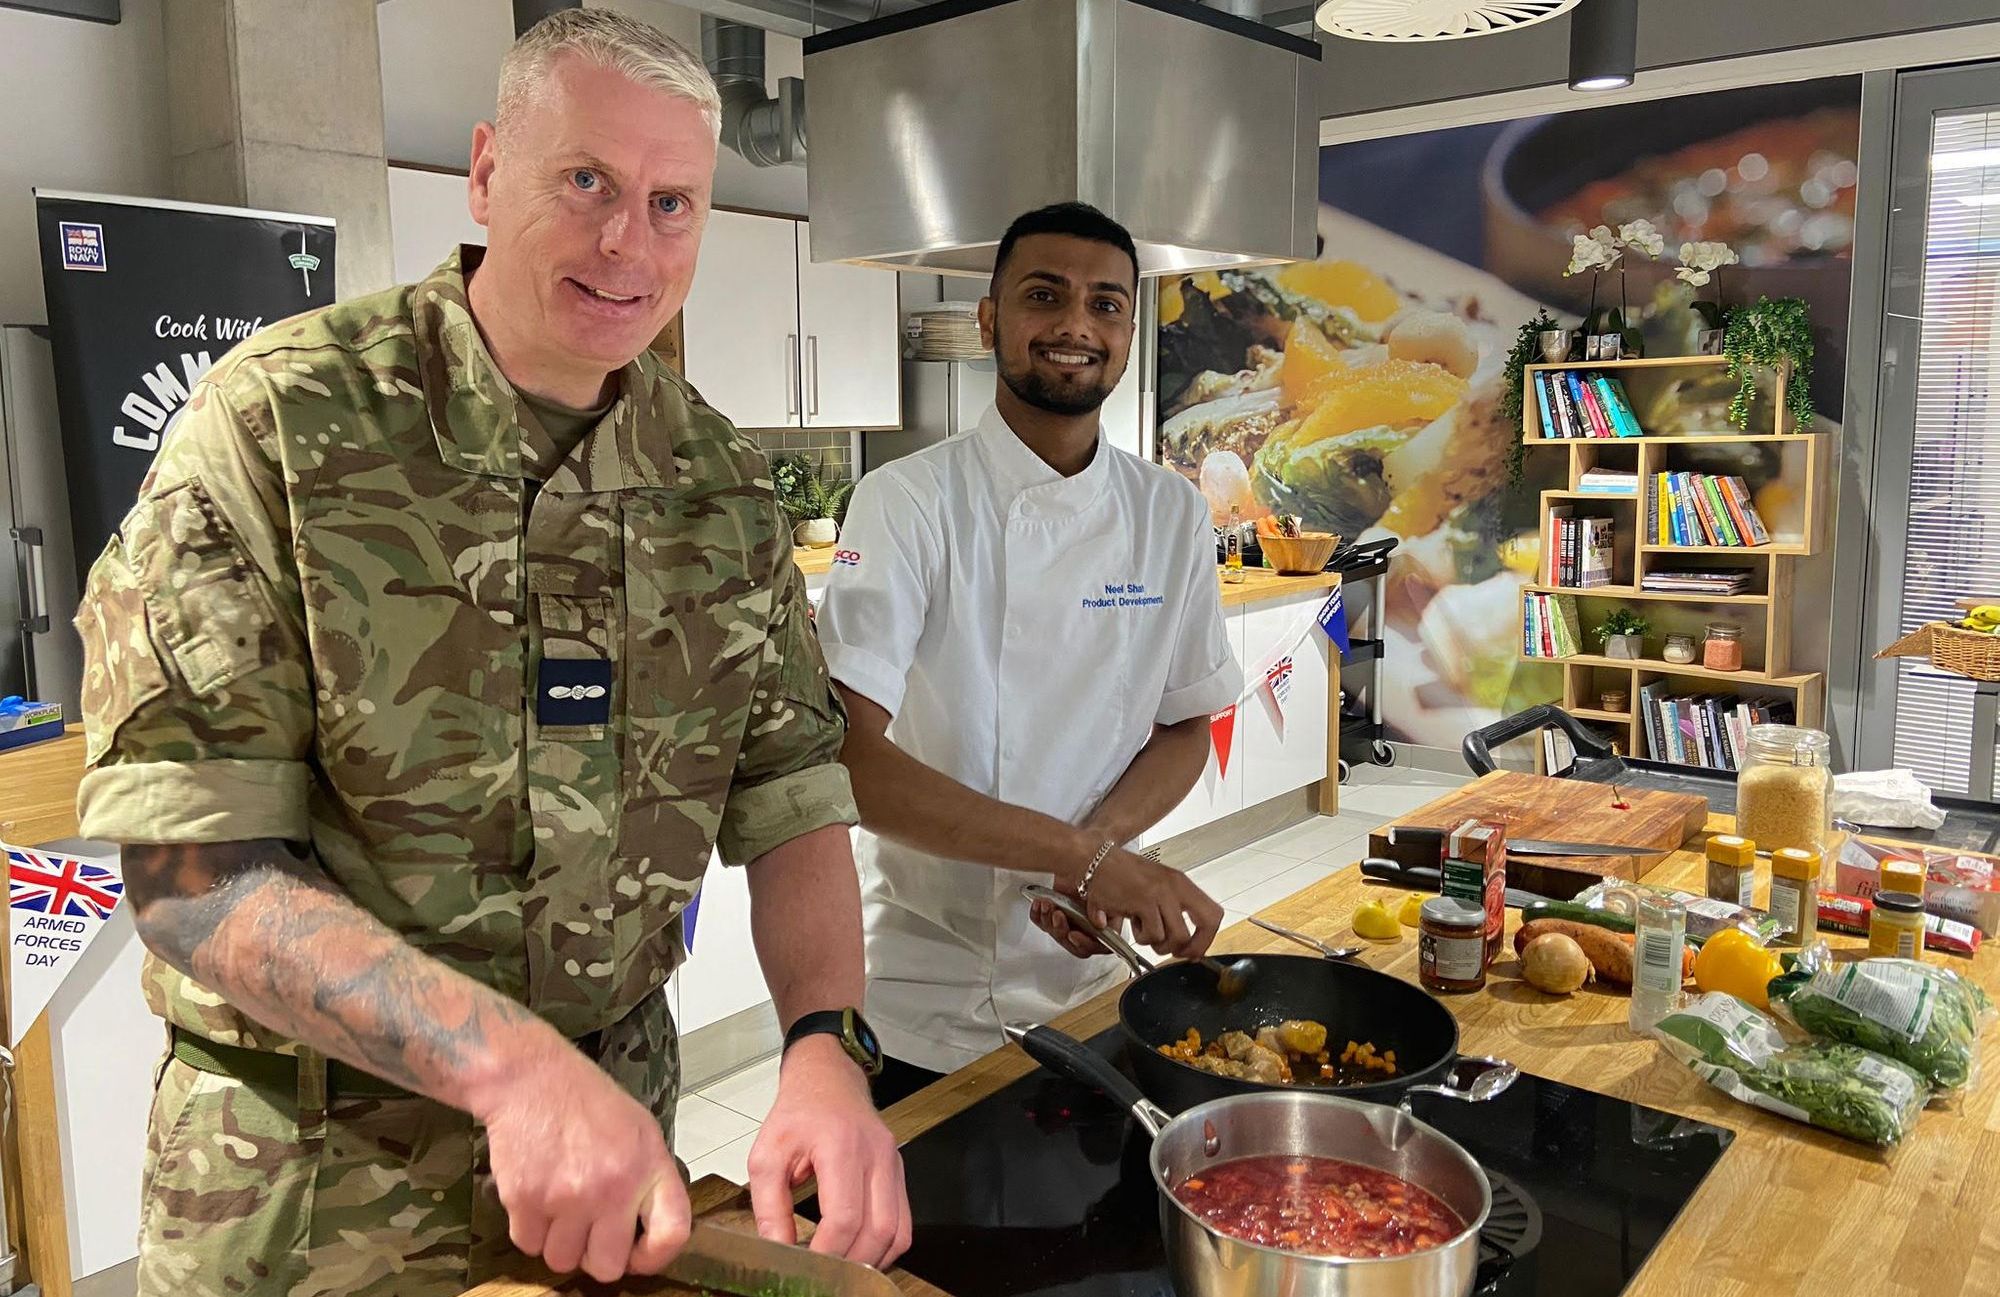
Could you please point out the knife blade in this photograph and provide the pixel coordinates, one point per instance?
(725, 1260)
(1535, 846)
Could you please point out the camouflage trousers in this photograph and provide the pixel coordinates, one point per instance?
(306, 1194)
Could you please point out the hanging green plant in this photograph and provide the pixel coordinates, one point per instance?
(1513, 397)
(1774, 334)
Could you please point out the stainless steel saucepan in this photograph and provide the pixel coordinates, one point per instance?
(1297, 1123)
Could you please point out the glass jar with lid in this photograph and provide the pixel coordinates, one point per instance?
(1784, 789)
(1722, 647)
(1679, 649)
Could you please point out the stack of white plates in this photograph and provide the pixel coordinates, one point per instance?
(946, 331)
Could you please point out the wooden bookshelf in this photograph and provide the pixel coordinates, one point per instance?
(1786, 474)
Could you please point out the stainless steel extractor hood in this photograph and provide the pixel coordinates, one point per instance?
(934, 128)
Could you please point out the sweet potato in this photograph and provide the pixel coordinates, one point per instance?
(1610, 953)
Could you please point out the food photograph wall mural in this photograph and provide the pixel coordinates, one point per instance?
(1367, 392)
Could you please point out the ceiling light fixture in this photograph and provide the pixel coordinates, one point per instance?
(1603, 44)
(1433, 20)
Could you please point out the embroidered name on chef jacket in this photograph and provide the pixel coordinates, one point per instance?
(1124, 594)
(573, 691)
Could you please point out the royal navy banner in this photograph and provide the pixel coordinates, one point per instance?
(143, 296)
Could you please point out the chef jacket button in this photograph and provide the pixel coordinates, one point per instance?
(1027, 511)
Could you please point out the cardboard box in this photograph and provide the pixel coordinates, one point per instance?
(1475, 869)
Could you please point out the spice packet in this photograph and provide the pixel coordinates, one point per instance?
(1962, 886)
(1839, 1087)
(1839, 913)
(1706, 916)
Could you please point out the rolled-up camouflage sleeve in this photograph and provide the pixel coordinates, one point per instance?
(197, 700)
(789, 780)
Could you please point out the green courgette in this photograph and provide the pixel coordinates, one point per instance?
(1576, 913)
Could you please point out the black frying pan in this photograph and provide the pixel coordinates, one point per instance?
(1355, 1002)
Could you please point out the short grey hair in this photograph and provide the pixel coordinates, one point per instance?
(610, 40)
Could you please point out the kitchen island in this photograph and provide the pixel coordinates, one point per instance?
(1786, 1209)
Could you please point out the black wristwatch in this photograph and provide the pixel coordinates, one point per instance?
(857, 1040)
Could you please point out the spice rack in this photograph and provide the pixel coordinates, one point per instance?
(1785, 473)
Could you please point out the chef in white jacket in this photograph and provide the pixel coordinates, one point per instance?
(1026, 627)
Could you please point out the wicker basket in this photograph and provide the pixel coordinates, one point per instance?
(1951, 648)
(1299, 555)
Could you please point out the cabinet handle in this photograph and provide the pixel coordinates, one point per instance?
(791, 374)
(812, 358)
(37, 620)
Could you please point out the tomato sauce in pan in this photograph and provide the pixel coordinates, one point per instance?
(1318, 1206)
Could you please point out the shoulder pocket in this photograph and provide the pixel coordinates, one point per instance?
(121, 673)
(212, 615)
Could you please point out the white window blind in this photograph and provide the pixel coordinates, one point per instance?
(1953, 550)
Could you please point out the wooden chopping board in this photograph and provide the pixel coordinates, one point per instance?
(713, 1199)
(1571, 810)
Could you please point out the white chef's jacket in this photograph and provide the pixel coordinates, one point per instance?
(1025, 632)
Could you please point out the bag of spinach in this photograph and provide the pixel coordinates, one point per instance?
(1838, 1087)
(1929, 1018)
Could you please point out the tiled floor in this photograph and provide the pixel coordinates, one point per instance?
(715, 1127)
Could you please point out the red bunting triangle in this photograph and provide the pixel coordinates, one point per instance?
(1222, 733)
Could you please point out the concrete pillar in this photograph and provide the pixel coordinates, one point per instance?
(277, 104)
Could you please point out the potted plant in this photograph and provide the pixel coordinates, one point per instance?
(1514, 396)
(1598, 251)
(1700, 263)
(812, 500)
(1777, 335)
(1623, 634)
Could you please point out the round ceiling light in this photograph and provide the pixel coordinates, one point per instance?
(1433, 20)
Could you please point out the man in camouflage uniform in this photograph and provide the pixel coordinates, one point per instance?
(449, 635)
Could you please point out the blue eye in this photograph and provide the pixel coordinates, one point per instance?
(584, 180)
(671, 204)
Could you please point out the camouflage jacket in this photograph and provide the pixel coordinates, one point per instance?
(325, 621)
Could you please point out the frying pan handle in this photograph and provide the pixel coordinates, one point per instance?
(1113, 940)
(1066, 1056)
(1490, 1082)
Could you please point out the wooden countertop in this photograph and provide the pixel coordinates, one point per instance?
(1788, 1208)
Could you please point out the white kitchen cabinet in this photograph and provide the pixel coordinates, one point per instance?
(721, 976)
(1281, 756)
(774, 341)
(1216, 793)
(741, 322)
(851, 367)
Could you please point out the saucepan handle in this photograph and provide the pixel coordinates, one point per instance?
(1069, 1057)
(1491, 1079)
(1111, 938)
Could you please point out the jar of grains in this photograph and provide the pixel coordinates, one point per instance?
(1722, 647)
(1784, 790)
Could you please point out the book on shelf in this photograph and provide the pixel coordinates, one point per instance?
(1577, 552)
(1731, 580)
(1710, 729)
(1611, 393)
(1704, 509)
(1549, 627)
(1604, 481)
(1581, 406)
(1558, 753)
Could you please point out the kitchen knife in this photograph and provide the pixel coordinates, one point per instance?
(724, 1260)
(1421, 878)
(1534, 846)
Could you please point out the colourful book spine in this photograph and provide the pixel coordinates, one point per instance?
(1621, 401)
(1598, 423)
(1741, 490)
(1548, 428)
(1575, 389)
(1711, 531)
(1719, 510)
(1528, 625)
(1691, 532)
(1690, 732)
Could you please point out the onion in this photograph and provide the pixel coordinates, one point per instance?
(1554, 963)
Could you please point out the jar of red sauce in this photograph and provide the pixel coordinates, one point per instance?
(1451, 945)
(1722, 647)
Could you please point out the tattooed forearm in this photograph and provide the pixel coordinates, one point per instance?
(258, 923)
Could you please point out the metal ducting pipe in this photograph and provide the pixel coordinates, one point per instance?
(766, 131)
(1250, 9)
(529, 12)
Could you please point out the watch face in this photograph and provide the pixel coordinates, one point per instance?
(864, 1036)
(860, 1043)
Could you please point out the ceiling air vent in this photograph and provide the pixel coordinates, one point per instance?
(1433, 20)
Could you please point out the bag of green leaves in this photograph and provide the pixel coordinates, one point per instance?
(1929, 1018)
(1838, 1087)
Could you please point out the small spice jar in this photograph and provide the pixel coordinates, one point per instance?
(1612, 700)
(1784, 791)
(1722, 647)
(1795, 894)
(1732, 869)
(1451, 945)
(1896, 927)
(1679, 649)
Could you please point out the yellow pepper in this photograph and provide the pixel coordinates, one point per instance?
(1412, 913)
(1373, 920)
(1732, 961)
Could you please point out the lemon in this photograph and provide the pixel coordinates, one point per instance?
(1373, 920)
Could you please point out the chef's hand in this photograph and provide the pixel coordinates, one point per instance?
(824, 1125)
(576, 1172)
(1158, 901)
(1068, 935)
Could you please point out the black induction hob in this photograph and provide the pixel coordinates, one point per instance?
(1042, 1188)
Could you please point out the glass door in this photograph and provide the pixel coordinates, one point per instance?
(1935, 515)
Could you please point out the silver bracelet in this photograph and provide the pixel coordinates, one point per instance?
(1090, 874)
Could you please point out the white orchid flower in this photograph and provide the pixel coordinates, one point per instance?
(1694, 276)
(1698, 259)
(1597, 250)
(1642, 235)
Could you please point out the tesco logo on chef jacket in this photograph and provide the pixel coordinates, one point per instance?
(847, 558)
(1123, 594)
